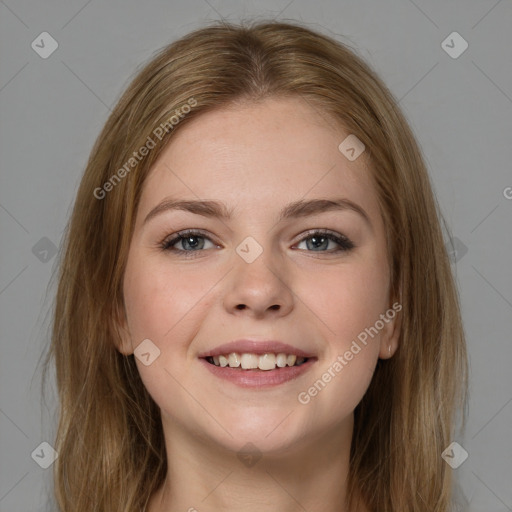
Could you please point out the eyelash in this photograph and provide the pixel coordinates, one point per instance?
(345, 243)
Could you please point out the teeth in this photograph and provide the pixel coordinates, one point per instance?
(267, 362)
(234, 360)
(263, 362)
(281, 360)
(249, 361)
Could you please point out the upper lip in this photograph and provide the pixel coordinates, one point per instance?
(256, 347)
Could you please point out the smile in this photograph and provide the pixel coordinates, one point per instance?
(248, 361)
(257, 371)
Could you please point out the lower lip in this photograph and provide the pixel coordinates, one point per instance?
(259, 378)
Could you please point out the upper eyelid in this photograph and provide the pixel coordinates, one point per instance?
(190, 232)
(199, 232)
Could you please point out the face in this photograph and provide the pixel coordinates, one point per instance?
(309, 281)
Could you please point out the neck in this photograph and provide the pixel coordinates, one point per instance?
(206, 477)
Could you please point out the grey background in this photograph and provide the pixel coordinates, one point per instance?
(52, 109)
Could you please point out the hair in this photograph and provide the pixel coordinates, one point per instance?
(109, 435)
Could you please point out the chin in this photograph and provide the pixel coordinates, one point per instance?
(270, 431)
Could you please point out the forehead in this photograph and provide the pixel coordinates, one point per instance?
(259, 156)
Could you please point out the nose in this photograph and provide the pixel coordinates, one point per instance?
(259, 288)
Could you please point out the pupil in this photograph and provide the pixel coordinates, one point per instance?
(192, 238)
(316, 241)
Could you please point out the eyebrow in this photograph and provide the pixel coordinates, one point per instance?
(296, 209)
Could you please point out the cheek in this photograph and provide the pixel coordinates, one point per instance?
(163, 306)
(158, 301)
(351, 299)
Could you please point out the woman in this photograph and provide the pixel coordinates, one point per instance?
(310, 354)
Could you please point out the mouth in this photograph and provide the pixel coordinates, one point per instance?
(257, 371)
(263, 362)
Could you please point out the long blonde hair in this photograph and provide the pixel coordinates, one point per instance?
(109, 437)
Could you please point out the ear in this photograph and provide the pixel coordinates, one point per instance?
(123, 339)
(390, 334)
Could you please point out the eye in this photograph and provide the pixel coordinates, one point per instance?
(191, 241)
(320, 239)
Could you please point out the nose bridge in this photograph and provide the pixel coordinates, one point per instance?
(256, 264)
(259, 280)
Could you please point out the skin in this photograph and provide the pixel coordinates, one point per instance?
(256, 159)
